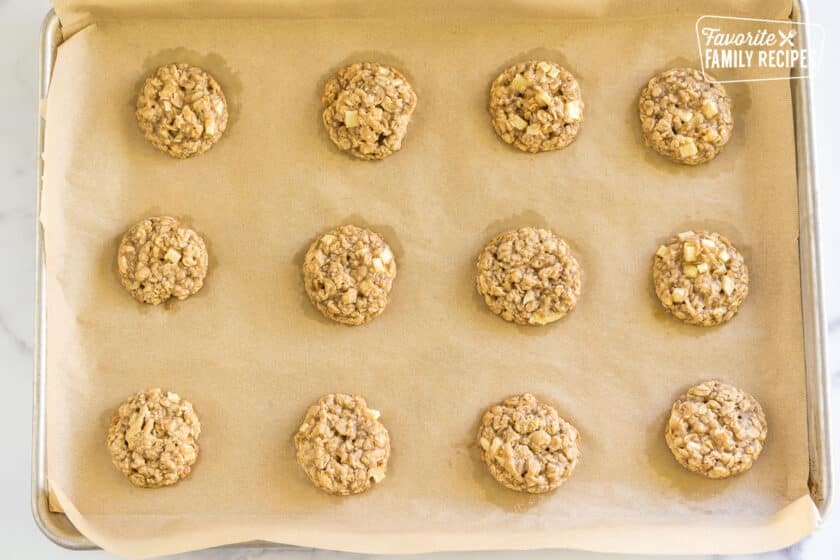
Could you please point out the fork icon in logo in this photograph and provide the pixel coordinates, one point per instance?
(787, 38)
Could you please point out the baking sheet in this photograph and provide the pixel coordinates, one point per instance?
(251, 353)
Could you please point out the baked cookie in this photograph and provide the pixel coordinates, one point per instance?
(348, 274)
(160, 258)
(700, 278)
(527, 446)
(685, 117)
(153, 438)
(181, 110)
(367, 108)
(528, 276)
(716, 430)
(342, 446)
(536, 106)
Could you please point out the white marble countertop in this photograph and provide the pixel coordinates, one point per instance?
(19, 537)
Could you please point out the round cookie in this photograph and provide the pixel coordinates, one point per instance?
(536, 106)
(367, 108)
(700, 278)
(348, 274)
(685, 117)
(342, 446)
(181, 110)
(528, 276)
(716, 430)
(153, 438)
(527, 446)
(159, 258)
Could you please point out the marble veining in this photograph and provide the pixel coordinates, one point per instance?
(19, 28)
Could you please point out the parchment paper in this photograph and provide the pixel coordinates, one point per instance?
(251, 353)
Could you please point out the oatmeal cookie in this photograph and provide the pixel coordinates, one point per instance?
(685, 117)
(159, 258)
(528, 276)
(342, 446)
(536, 106)
(700, 278)
(181, 110)
(153, 438)
(716, 430)
(367, 108)
(348, 274)
(527, 446)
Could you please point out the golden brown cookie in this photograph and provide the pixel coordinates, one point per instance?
(160, 258)
(716, 430)
(536, 106)
(527, 446)
(181, 110)
(700, 278)
(348, 274)
(153, 438)
(528, 276)
(342, 446)
(367, 108)
(685, 117)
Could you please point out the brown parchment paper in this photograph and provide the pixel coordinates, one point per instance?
(251, 353)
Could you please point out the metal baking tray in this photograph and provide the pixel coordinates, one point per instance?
(61, 531)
